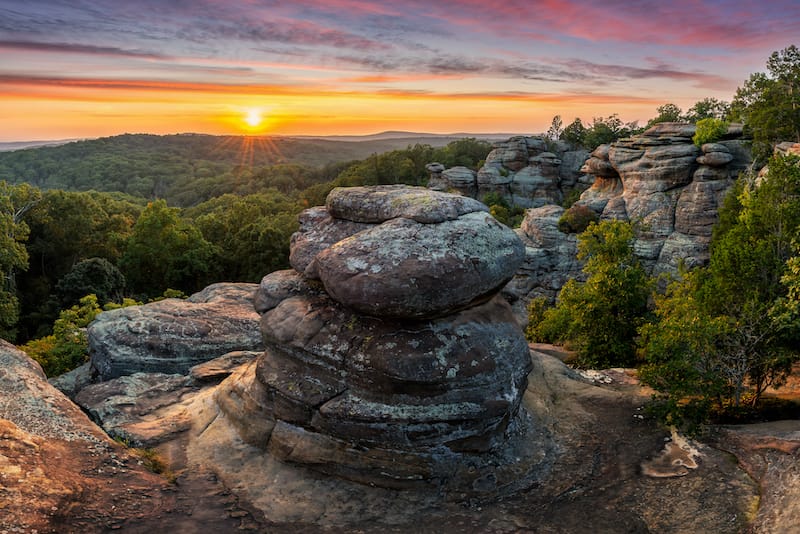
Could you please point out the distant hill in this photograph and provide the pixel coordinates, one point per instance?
(189, 168)
(429, 138)
(19, 145)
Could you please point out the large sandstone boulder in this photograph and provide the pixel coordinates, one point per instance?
(58, 471)
(384, 250)
(396, 269)
(400, 366)
(172, 335)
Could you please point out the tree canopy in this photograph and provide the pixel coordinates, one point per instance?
(769, 102)
(728, 331)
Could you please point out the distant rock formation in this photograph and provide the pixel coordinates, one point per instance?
(172, 335)
(525, 171)
(390, 358)
(659, 180)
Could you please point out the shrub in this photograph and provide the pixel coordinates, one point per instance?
(709, 130)
(576, 219)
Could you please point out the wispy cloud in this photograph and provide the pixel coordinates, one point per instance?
(75, 48)
(284, 32)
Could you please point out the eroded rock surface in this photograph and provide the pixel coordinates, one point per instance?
(525, 171)
(172, 335)
(661, 181)
(400, 366)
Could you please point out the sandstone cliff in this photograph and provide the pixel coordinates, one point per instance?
(525, 171)
(658, 180)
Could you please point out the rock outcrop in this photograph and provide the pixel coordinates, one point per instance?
(56, 466)
(172, 335)
(525, 171)
(390, 359)
(661, 181)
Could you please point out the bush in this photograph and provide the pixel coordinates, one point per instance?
(576, 219)
(709, 130)
(598, 318)
(94, 276)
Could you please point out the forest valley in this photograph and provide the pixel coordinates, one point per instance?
(93, 225)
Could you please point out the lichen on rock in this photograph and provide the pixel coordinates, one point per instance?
(402, 365)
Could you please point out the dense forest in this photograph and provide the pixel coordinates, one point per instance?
(188, 169)
(169, 213)
(111, 222)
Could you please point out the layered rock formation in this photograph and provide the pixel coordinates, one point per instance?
(390, 358)
(659, 180)
(172, 335)
(525, 171)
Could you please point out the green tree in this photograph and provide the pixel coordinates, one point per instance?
(165, 251)
(607, 130)
(666, 113)
(94, 276)
(574, 133)
(556, 128)
(740, 308)
(769, 103)
(708, 108)
(67, 347)
(709, 130)
(467, 152)
(15, 202)
(66, 228)
(250, 234)
(599, 318)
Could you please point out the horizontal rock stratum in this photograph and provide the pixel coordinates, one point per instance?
(390, 357)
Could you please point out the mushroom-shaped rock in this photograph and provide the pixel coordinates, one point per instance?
(404, 268)
(378, 204)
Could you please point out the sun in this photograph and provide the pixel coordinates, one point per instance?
(253, 117)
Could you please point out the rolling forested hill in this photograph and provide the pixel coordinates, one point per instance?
(190, 168)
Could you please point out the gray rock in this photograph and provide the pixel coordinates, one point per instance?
(659, 179)
(715, 159)
(119, 406)
(318, 231)
(714, 147)
(377, 204)
(511, 154)
(172, 335)
(409, 384)
(462, 179)
(397, 268)
(218, 369)
(70, 383)
(671, 129)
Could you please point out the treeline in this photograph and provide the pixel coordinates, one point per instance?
(62, 245)
(188, 169)
(767, 104)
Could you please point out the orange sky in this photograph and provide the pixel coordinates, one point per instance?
(361, 66)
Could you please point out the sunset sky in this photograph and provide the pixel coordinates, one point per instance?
(75, 68)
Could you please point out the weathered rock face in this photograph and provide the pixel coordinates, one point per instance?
(399, 365)
(58, 471)
(522, 170)
(659, 179)
(172, 335)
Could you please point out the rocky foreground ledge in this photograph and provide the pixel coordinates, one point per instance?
(336, 409)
